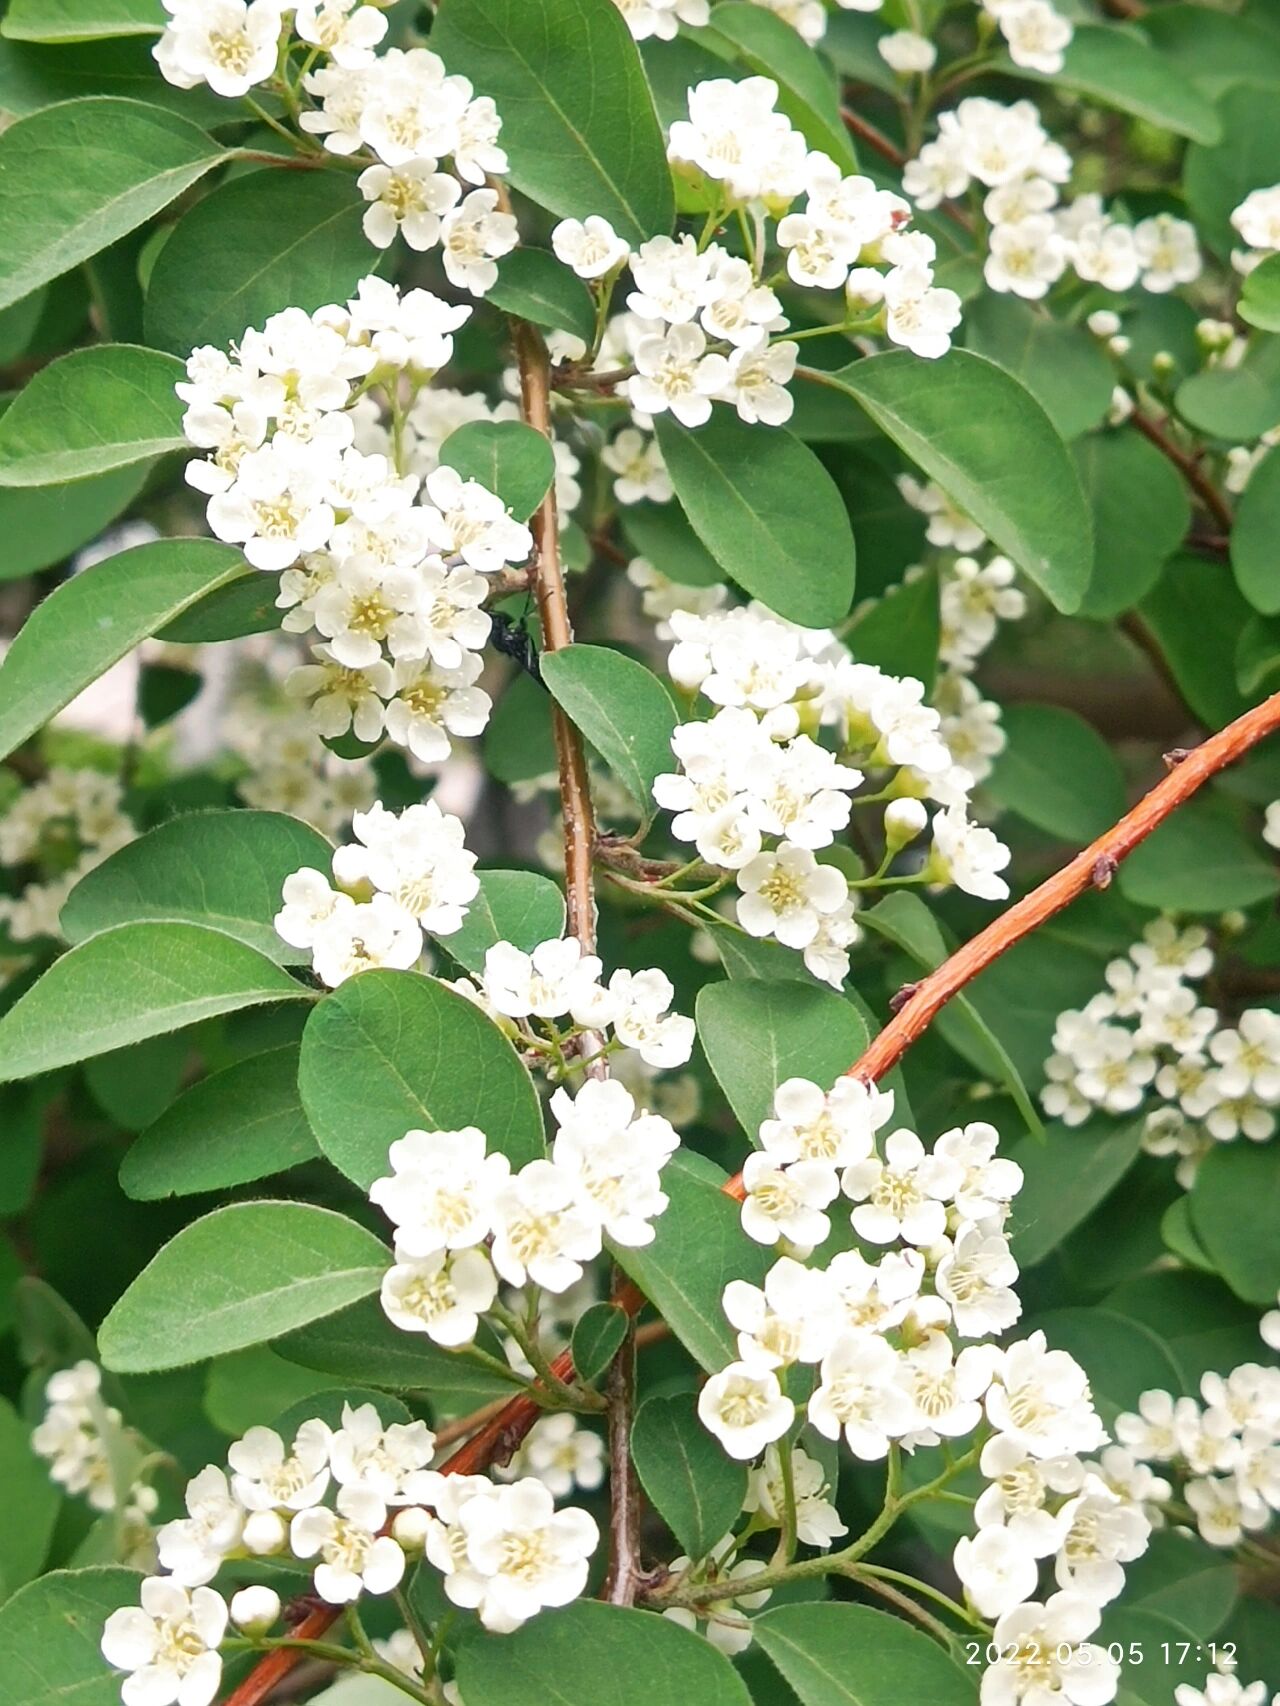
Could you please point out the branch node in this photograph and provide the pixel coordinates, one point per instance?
(1104, 868)
(900, 997)
(1175, 756)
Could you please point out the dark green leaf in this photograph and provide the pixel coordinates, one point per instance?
(1260, 301)
(50, 1635)
(1066, 1174)
(1199, 860)
(1235, 1205)
(506, 457)
(849, 1655)
(519, 907)
(44, 525)
(1197, 615)
(1218, 178)
(1255, 538)
(31, 1498)
(1123, 1358)
(1203, 1324)
(1062, 366)
(738, 486)
(1117, 67)
(533, 284)
(660, 534)
(96, 409)
(35, 75)
(391, 1051)
(82, 20)
(695, 1489)
(597, 1338)
(900, 631)
(622, 708)
(244, 605)
(1216, 50)
(1141, 513)
(1057, 772)
(1235, 403)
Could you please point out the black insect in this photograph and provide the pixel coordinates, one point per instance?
(512, 638)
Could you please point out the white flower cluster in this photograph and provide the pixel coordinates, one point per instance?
(1224, 1690)
(1148, 1036)
(1035, 34)
(77, 1436)
(460, 1213)
(1257, 220)
(749, 776)
(387, 569)
(358, 1499)
(1224, 1453)
(1033, 241)
(560, 1454)
(61, 827)
(662, 18)
(417, 875)
(288, 768)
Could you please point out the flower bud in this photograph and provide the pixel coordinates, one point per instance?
(411, 1527)
(1163, 363)
(903, 821)
(1119, 345)
(265, 1533)
(255, 1609)
(1103, 323)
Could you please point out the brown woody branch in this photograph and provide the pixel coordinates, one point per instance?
(1188, 466)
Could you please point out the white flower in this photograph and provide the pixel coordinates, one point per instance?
(442, 1294)
(744, 1407)
(526, 1554)
(836, 1127)
(1025, 258)
(638, 1003)
(1101, 1534)
(796, 1318)
(673, 371)
(949, 527)
(818, 1522)
(228, 44)
(919, 315)
(1041, 1399)
(561, 1455)
(1169, 251)
(976, 1278)
(1221, 1691)
(416, 856)
(1249, 1055)
(277, 508)
(1257, 218)
(1036, 34)
(384, 1460)
(861, 1393)
(266, 1478)
(754, 379)
(614, 1158)
(192, 1548)
(439, 1194)
(661, 18)
(346, 30)
(356, 938)
(944, 1388)
(408, 199)
(355, 1558)
(1020, 1486)
(988, 1181)
(636, 462)
(470, 522)
(997, 1568)
(902, 1196)
(476, 154)
(786, 1202)
(474, 235)
(557, 978)
(907, 53)
(169, 1645)
(734, 135)
(876, 1296)
(785, 894)
(341, 698)
(429, 703)
(1045, 1654)
(969, 855)
(591, 247)
(543, 1233)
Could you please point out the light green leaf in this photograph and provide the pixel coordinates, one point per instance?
(222, 869)
(250, 1388)
(738, 486)
(32, 1502)
(390, 1051)
(1203, 1324)
(621, 707)
(82, 20)
(1197, 616)
(849, 1655)
(237, 1277)
(50, 1635)
(771, 47)
(1260, 300)
(1116, 66)
(694, 1487)
(520, 907)
(578, 123)
(133, 1086)
(1199, 860)
(35, 75)
(90, 622)
(757, 1034)
(100, 408)
(256, 244)
(1217, 178)
(1235, 1205)
(1255, 538)
(1257, 654)
(1216, 50)
(131, 160)
(139, 980)
(45, 524)
(1141, 513)
(699, 1246)
(518, 744)
(1066, 1174)
(644, 1659)
(506, 457)
(242, 1123)
(1237, 404)
(1179, 1576)
(597, 1338)
(660, 533)
(988, 443)
(1058, 773)
(1061, 365)
(537, 287)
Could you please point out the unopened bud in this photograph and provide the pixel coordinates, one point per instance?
(1163, 364)
(255, 1609)
(411, 1527)
(903, 821)
(1103, 323)
(1118, 345)
(265, 1533)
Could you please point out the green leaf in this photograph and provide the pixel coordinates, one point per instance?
(389, 1052)
(1260, 300)
(1255, 538)
(900, 631)
(360, 1345)
(1122, 1358)
(621, 707)
(254, 245)
(35, 75)
(520, 907)
(82, 20)
(591, 1654)
(699, 1246)
(518, 744)
(50, 1634)
(44, 525)
(1061, 365)
(1216, 50)
(988, 443)
(1199, 860)
(1118, 68)
(90, 622)
(100, 408)
(1058, 773)
(237, 1277)
(597, 1338)
(849, 1655)
(134, 1085)
(1141, 513)
(1180, 1577)
(578, 123)
(245, 605)
(1066, 1174)
(221, 869)
(1217, 178)
(506, 457)
(1237, 404)
(140, 980)
(1197, 615)
(1203, 1324)
(757, 1034)
(1235, 1202)
(738, 486)
(771, 47)
(660, 533)
(1257, 654)
(131, 161)
(32, 1502)
(533, 284)
(242, 1123)
(250, 1388)
(695, 1489)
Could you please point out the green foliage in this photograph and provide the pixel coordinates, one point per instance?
(1234, 1203)
(622, 708)
(49, 1635)
(533, 284)
(768, 46)
(1199, 860)
(94, 410)
(597, 1338)
(1066, 1174)
(1061, 365)
(1141, 512)
(1260, 299)
(1058, 773)
(1253, 539)
(848, 1655)
(239, 1276)
(33, 1502)
(519, 907)
(505, 456)
(1116, 67)
(81, 20)
(693, 1486)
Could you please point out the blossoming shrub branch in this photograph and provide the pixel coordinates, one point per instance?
(581, 569)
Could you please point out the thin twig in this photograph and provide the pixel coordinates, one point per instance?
(625, 1571)
(1188, 466)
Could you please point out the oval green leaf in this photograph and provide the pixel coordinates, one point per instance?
(506, 457)
(520, 907)
(82, 20)
(849, 1655)
(1199, 860)
(93, 410)
(1058, 773)
(694, 1487)
(597, 1338)
(50, 1635)
(1255, 538)
(1119, 68)
(537, 287)
(621, 707)
(1235, 1209)
(1061, 365)
(1141, 513)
